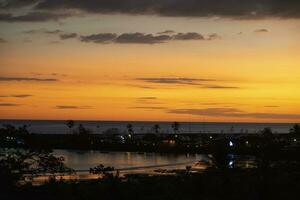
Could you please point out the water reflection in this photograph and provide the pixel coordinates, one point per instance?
(83, 160)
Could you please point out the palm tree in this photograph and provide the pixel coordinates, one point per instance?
(82, 130)
(129, 130)
(156, 128)
(175, 127)
(295, 129)
(70, 124)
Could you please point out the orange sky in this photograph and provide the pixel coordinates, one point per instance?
(248, 73)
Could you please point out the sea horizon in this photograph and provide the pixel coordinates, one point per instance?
(100, 126)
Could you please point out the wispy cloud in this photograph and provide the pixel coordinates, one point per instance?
(2, 78)
(43, 30)
(72, 107)
(166, 32)
(188, 36)
(34, 16)
(220, 87)
(271, 106)
(66, 36)
(147, 98)
(8, 104)
(99, 38)
(213, 36)
(141, 38)
(175, 80)
(48, 74)
(149, 107)
(262, 30)
(233, 112)
(200, 82)
(144, 38)
(17, 95)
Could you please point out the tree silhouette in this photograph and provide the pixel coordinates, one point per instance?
(101, 170)
(295, 130)
(156, 128)
(220, 157)
(10, 129)
(70, 124)
(266, 150)
(15, 166)
(175, 127)
(23, 130)
(82, 130)
(130, 130)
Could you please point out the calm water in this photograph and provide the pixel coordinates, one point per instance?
(83, 160)
(59, 127)
(129, 163)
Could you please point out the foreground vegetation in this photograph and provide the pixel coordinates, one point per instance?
(234, 184)
(277, 175)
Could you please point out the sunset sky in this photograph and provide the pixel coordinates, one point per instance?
(158, 60)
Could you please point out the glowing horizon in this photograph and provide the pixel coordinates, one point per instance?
(91, 64)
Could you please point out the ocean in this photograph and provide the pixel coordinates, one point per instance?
(98, 127)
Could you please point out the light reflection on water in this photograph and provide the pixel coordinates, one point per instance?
(127, 162)
(83, 160)
(134, 162)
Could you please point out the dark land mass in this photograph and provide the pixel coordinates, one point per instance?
(276, 175)
(234, 184)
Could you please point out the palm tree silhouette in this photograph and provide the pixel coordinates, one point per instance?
(295, 130)
(70, 124)
(175, 127)
(130, 130)
(156, 128)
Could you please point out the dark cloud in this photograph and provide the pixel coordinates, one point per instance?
(2, 40)
(27, 79)
(21, 95)
(43, 30)
(271, 106)
(166, 32)
(201, 82)
(213, 36)
(142, 38)
(208, 111)
(248, 9)
(7, 4)
(68, 36)
(180, 80)
(48, 74)
(63, 35)
(188, 36)
(141, 86)
(17, 96)
(9, 104)
(232, 112)
(99, 38)
(220, 87)
(35, 16)
(72, 107)
(263, 30)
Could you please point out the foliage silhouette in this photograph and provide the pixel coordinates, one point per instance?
(175, 126)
